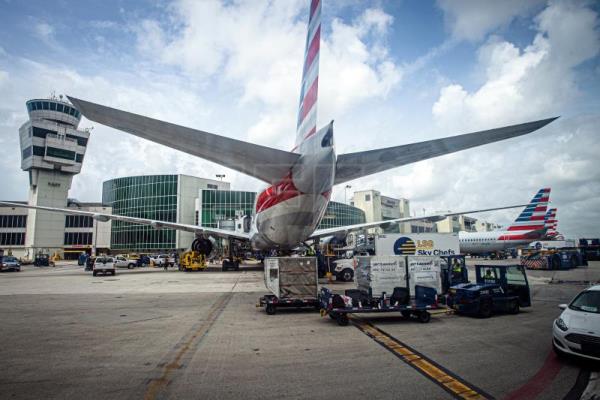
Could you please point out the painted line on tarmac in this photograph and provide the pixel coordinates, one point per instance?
(183, 351)
(447, 380)
(540, 381)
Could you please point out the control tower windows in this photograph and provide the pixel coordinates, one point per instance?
(60, 153)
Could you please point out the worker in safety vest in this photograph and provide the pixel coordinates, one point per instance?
(456, 271)
(488, 275)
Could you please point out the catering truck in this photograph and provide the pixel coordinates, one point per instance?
(417, 244)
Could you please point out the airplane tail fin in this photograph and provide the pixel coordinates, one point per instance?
(307, 110)
(533, 216)
(551, 223)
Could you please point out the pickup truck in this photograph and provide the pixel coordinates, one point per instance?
(124, 262)
(344, 269)
(163, 259)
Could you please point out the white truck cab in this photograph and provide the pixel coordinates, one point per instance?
(124, 262)
(105, 265)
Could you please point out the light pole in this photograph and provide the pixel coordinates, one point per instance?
(220, 176)
(346, 193)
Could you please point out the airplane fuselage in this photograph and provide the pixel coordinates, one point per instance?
(289, 211)
(488, 242)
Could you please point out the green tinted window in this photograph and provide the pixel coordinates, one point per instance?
(60, 153)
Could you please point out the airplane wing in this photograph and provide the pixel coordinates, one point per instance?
(431, 218)
(356, 165)
(102, 217)
(264, 163)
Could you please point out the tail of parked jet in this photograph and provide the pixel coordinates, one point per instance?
(551, 224)
(533, 217)
(307, 108)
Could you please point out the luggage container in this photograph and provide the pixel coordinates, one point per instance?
(408, 285)
(292, 281)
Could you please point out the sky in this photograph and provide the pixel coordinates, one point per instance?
(391, 73)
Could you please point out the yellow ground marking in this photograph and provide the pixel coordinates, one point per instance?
(444, 378)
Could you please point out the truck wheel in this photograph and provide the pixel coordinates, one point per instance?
(346, 275)
(514, 307)
(485, 309)
(130, 266)
(424, 317)
(405, 314)
(342, 319)
(270, 309)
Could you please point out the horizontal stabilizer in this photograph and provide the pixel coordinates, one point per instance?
(264, 163)
(356, 165)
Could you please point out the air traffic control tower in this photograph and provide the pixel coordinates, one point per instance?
(52, 151)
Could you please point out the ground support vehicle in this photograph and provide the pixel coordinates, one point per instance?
(124, 262)
(232, 263)
(292, 281)
(192, 261)
(104, 265)
(359, 302)
(590, 249)
(454, 271)
(553, 259)
(344, 269)
(498, 288)
(43, 260)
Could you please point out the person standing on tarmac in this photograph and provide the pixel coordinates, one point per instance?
(166, 264)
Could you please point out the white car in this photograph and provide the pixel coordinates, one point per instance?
(162, 259)
(123, 262)
(577, 330)
(105, 265)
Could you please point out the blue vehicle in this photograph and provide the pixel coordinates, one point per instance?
(498, 289)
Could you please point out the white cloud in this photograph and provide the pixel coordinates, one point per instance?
(473, 19)
(523, 84)
(259, 47)
(535, 82)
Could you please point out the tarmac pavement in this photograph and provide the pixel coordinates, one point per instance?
(151, 334)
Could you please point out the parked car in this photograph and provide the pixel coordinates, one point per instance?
(124, 262)
(10, 263)
(104, 265)
(577, 330)
(161, 259)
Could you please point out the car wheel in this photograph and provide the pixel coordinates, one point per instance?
(424, 317)
(270, 309)
(514, 307)
(131, 266)
(485, 309)
(347, 275)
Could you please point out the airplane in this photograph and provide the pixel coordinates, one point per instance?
(288, 211)
(551, 225)
(530, 225)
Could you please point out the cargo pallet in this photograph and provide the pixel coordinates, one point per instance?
(426, 300)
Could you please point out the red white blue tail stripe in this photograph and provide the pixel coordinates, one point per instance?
(551, 224)
(307, 111)
(534, 215)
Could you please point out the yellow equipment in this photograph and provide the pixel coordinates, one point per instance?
(192, 261)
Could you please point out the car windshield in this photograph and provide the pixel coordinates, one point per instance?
(588, 301)
(10, 259)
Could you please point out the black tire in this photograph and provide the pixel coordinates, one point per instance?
(94, 273)
(424, 317)
(485, 309)
(405, 314)
(131, 266)
(270, 309)
(559, 353)
(514, 308)
(331, 316)
(342, 319)
(346, 275)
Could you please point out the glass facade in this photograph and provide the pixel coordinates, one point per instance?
(340, 214)
(222, 205)
(153, 197)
